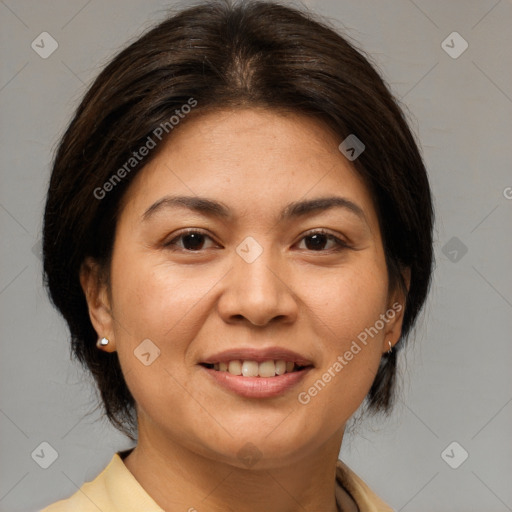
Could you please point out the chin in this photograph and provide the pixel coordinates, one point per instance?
(260, 450)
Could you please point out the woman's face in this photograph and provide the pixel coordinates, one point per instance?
(267, 277)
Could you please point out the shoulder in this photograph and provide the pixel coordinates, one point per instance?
(114, 489)
(365, 498)
(85, 499)
(91, 495)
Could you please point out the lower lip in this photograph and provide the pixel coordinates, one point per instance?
(257, 387)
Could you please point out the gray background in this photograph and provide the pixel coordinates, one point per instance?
(457, 378)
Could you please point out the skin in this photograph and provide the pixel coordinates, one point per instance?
(194, 303)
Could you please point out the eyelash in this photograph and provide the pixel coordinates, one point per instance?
(341, 245)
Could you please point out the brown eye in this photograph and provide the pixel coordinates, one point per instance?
(317, 241)
(189, 241)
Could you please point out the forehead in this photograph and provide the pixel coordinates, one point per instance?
(251, 159)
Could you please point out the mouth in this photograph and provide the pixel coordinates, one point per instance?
(250, 368)
(257, 373)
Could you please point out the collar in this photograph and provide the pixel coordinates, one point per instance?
(129, 496)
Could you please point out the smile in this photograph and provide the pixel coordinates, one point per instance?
(266, 369)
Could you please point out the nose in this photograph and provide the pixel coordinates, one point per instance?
(259, 292)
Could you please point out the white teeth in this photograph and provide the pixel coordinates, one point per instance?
(235, 367)
(249, 368)
(267, 369)
(280, 367)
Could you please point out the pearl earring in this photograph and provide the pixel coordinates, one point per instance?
(390, 347)
(102, 342)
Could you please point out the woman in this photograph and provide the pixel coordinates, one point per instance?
(238, 232)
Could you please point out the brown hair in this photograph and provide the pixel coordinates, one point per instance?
(221, 55)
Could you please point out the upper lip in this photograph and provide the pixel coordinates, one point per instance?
(259, 355)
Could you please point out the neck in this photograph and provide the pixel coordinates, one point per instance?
(200, 483)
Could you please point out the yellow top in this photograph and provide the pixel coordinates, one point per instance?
(115, 489)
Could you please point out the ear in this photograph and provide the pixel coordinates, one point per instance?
(395, 312)
(96, 294)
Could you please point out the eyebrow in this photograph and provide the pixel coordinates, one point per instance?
(213, 208)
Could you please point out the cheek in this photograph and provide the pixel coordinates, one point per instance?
(159, 309)
(156, 300)
(347, 307)
(347, 301)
